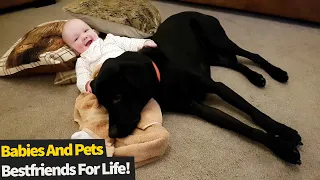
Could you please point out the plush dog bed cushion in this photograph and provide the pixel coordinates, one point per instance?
(131, 18)
(147, 143)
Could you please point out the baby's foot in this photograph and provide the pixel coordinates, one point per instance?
(81, 135)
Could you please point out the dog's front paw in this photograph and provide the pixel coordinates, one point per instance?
(257, 79)
(284, 149)
(277, 73)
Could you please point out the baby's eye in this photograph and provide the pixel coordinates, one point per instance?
(86, 30)
(76, 39)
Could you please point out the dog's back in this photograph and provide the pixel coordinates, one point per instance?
(176, 35)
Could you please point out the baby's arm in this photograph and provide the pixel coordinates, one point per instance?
(131, 44)
(83, 74)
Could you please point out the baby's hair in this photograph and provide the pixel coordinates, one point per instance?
(63, 30)
(97, 32)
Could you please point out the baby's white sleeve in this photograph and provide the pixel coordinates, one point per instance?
(83, 74)
(128, 44)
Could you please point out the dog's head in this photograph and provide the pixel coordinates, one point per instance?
(124, 86)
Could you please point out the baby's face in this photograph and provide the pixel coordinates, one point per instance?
(78, 35)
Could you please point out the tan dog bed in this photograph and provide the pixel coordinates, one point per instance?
(148, 141)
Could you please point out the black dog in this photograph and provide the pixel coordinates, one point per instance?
(188, 44)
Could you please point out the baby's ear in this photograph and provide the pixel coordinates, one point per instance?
(76, 52)
(96, 32)
(73, 50)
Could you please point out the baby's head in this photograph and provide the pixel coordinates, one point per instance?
(78, 35)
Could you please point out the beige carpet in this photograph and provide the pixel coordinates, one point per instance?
(34, 108)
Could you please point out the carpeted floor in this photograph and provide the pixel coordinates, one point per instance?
(34, 108)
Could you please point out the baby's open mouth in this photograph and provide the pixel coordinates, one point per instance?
(88, 43)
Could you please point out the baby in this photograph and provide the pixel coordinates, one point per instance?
(94, 51)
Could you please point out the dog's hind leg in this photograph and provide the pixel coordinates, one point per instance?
(209, 29)
(281, 148)
(275, 72)
(230, 61)
(254, 77)
(261, 119)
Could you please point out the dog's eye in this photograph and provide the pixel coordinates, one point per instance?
(117, 98)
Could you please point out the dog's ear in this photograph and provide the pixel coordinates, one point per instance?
(140, 76)
(104, 76)
(135, 74)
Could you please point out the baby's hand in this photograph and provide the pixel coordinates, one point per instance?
(88, 87)
(150, 43)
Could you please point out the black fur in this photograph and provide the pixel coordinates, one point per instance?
(188, 44)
